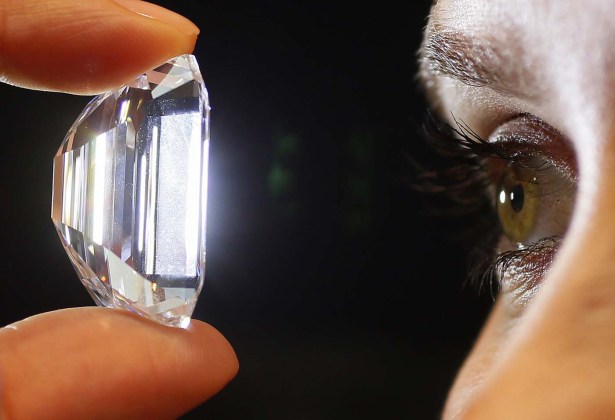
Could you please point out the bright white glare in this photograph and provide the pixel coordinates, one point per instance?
(204, 186)
(142, 188)
(67, 234)
(67, 194)
(124, 110)
(77, 192)
(98, 212)
(191, 224)
(502, 197)
(151, 206)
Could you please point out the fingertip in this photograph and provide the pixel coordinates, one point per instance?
(69, 358)
(154, 11)
(87, 47)
(211, 339)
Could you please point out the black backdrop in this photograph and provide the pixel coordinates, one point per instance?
(341, 298)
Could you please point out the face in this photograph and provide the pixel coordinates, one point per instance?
(532, 82)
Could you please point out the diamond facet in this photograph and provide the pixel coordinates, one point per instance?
(130, 193)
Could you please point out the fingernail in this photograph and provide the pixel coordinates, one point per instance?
(154, 11)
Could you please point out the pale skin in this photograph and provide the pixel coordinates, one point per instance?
(65, 364)
(555, 359)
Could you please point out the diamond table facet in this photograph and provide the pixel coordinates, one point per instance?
(130, 193)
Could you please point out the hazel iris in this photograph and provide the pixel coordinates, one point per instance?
(517, 201)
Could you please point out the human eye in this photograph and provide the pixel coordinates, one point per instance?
(514, 193)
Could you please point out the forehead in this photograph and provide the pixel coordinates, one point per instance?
(566, 47)
(521, 13)
(543, 24)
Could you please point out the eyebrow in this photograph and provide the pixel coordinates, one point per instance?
(477, 62)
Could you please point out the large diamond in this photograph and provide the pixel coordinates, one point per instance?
(130, 191)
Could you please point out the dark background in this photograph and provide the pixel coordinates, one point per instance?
(342, 298)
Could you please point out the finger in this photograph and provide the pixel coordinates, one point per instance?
(88, 46)
(107, 363)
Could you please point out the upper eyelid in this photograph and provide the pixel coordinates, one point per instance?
(483, 147)
(529, 133)
(522, 139)
(518, 137)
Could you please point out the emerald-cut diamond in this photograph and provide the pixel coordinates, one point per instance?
(130, 191)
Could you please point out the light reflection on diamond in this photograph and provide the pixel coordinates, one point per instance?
(129, 193)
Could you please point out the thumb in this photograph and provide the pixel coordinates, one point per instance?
(85, 363)
(86, 47)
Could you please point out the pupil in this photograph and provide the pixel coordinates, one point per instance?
(517, 198)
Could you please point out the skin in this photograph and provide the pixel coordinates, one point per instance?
(51, 364)
(556, 359)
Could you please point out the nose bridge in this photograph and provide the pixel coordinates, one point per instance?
(590, 244)
(578, 295)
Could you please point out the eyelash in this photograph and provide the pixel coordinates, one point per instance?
(458, 179)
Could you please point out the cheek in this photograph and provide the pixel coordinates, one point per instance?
(478, 365)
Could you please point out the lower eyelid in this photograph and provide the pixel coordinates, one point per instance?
(520, 272)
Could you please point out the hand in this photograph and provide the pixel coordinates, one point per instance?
(98, 362)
